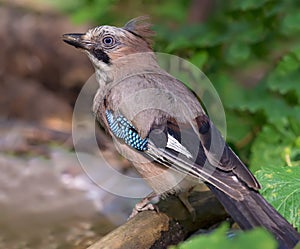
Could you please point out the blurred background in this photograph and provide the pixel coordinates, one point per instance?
(250, 50)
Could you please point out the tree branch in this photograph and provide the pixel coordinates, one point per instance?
(171, 225)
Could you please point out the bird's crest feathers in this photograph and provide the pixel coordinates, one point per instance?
(141, 26)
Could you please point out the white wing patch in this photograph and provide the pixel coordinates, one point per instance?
(174, 144)
(234, 178)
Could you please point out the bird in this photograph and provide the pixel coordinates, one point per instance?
(160, 126)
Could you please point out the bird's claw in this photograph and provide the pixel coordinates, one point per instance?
(142, 206)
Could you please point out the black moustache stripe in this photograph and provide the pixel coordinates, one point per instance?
(101, 55)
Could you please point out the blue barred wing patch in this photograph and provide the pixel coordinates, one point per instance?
(124, 130)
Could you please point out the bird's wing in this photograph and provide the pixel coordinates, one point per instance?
(220, 154)
(212, 162)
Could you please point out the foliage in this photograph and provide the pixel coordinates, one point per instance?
(282, 187)
(257, 238)
(250, 51)
(246, 39)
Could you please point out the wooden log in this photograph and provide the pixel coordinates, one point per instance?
(171, 225)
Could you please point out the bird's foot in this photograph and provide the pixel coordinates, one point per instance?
(183, 197)
(144, 205)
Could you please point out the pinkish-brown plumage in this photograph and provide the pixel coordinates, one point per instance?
(184, 147)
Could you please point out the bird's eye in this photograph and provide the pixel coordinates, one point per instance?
(108, 41)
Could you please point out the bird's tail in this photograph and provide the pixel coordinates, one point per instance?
(255, 211)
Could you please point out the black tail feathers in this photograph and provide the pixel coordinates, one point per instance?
(255, 211)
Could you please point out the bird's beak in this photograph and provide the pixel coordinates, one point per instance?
(75, 40)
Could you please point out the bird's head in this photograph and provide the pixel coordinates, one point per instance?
(104, 45)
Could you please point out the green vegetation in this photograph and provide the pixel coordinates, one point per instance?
(257, 238)
(250, 50)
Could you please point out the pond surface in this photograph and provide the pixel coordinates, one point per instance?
(48, 201)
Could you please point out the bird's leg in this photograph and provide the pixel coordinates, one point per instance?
(183, 197)
(144, 205)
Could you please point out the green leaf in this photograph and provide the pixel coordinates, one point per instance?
(294, 122)
(275, 109)
(289, 63)
(212, 38)
(285, 84)
(177, 7)
(281, 187)
(256, 238)
(179, 43)
(290, 23)
(285, 77)
(267, 149)
(276, 146)
(246, 32)
(231, 93)
(199, 59)
(237, 53)
(296, 51)
(248, 4)
(239, 127)
(273, 8)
